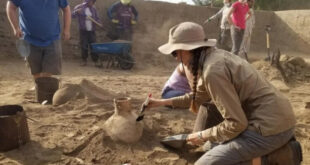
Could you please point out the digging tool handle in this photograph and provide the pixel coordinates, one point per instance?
(94, 21)
(32, 119)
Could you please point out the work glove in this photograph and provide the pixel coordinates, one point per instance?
(115, 21)
(133, 22)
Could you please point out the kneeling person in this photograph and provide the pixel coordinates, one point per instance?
(257, 118)
(177, 84)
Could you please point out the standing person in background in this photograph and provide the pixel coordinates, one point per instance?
(237, 18)
(177, 84)
(39, 25)
(250, 23)
(225, 26)
(85, 12)
(123, 15)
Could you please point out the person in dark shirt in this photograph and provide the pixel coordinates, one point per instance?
(84, 13)
(123, 15)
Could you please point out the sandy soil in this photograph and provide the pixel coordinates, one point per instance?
(71, 133)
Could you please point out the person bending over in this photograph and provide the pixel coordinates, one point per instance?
(257, 118)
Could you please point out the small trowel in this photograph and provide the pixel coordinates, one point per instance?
(144, 106)
(176, 141)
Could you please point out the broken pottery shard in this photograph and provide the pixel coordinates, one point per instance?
(122, 125)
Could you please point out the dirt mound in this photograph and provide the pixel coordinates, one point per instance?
(296, 69)
(71, 133)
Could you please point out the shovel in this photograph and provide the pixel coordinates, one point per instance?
(95, 22)
(176, 141)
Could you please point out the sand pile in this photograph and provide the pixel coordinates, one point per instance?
(72, 133)
(296, 69)
(84, 89)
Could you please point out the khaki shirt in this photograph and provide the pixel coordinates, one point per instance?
(244, 98)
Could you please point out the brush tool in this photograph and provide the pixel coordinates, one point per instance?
(144, 106)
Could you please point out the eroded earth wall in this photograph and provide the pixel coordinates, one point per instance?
(289, 28)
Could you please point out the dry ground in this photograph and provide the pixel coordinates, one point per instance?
(68, 134)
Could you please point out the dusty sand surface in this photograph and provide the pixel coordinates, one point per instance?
(71, 133)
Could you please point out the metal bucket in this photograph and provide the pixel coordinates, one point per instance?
(46, 88)
(13, 127)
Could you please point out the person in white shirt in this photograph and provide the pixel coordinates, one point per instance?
(86, 13)
(223, 41)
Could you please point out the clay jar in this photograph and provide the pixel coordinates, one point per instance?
(122, 125)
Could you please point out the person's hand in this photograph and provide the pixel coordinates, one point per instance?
(195, 139)
(237, 27)
(66, 35)
(133, 22)
(115, 21)
(18, 33)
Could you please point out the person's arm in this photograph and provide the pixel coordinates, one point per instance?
(135, 13)
(67, 22)
(232, 10)
(249, 15)
(253, 18)
(159, 103)
(77, 11)
(215, 16)
(111, 10)
(226, 99)
(11, 11)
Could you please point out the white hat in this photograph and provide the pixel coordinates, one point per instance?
(186, 36)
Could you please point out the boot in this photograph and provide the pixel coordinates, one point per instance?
(289, 154)
(46, 88)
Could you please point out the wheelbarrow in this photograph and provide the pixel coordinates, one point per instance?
(118, 51)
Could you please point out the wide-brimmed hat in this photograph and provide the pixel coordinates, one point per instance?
(186, 36)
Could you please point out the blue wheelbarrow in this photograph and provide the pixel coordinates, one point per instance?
(117, 51)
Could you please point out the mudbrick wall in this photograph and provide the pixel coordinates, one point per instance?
(289, 28)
